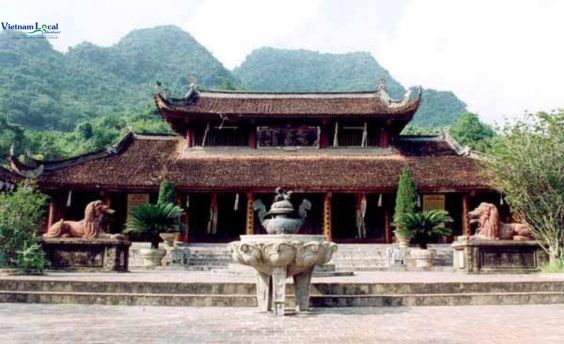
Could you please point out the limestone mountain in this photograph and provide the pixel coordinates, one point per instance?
(283, 70)
(269, 69)
(41, 88)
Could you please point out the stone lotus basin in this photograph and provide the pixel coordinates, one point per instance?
(282, 253)
(279, 256)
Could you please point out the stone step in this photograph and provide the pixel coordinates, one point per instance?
(361, 268)
(208, 261)
(206, 267)
(248, 288)
(227, 300)
(411, 300)
(209, 254)
(129, 299)
(356, 261)
(121, 287)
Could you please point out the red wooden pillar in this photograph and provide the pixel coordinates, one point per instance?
(388, 224)
(250, 214)
(252, 135)
(465, 209)
(324, 134)
(327, 229)
(189, 138)
(384, 138)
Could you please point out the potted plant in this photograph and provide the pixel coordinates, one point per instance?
(425, 226)
(153, 220)
(167, 194)
(406, 202)
(403, 236)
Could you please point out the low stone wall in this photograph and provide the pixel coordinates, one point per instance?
(177, 256)
(77, 254)
(497, 256)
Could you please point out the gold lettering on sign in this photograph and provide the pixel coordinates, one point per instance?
(133, 200)
(434, 202)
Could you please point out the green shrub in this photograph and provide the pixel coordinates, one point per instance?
(167, 194)
(425, 225)
(31, 257)
(557, 266)
(406, 198)
(153, 219)
(22, 214)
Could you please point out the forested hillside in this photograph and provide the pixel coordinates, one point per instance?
(269, 69)
(41, 88)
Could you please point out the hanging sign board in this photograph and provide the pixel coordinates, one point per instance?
(434, 202)
(133, 200)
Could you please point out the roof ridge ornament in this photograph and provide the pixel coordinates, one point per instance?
(381, 90)
(407, 98)
(193, 87)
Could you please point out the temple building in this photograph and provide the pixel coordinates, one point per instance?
(341, 151)
(8, 179)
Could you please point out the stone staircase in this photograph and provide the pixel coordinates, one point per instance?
(203, 257)
(209, 257)
(349, 257)
(376, 257)
(242, 294)
(359, 257)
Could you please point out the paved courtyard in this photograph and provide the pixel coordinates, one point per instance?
(36, 323)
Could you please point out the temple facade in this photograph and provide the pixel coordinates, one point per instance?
(341, 151)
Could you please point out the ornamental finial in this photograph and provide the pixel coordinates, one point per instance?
(381, 85)
(193, 82)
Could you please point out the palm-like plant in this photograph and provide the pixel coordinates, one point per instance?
(425, 225)
(153, 219)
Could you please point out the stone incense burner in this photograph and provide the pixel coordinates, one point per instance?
(282, 253)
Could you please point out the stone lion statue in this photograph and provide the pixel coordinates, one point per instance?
(88, 228)
(490, 227)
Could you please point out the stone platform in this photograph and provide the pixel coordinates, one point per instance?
(497, 256)
(214, 289)
(77, 254)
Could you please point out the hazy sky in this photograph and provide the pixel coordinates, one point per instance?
(501, 57)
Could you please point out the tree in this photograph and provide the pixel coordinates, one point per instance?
(469, 131)
(167, 193)
(22, 213)
(527, 164)
(406, 198)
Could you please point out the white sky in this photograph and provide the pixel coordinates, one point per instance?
(501, 57)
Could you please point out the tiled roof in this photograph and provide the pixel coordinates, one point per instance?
(146, 159)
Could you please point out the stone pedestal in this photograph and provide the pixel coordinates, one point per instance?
(177, 255)
(77, 254)
(497, 256)
(278, 256)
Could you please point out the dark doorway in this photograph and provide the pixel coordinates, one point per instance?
(231, 215)
(375, 218)
(343, 216)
